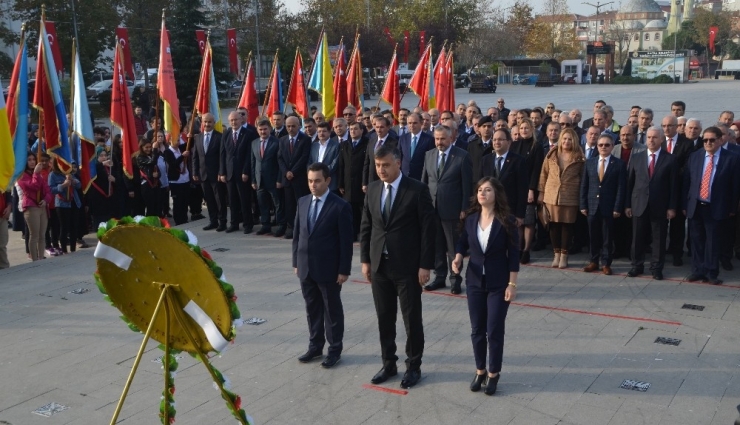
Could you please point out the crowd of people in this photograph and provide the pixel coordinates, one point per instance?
(420, 192)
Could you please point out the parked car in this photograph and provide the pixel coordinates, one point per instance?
(93, 91)
(230, 90)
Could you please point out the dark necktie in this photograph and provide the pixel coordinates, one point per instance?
(414, 141)
(206, 142)
(235, 136)
(314, 214)
(441, 166)
(499, 163)
(388, 201)
(292, 144)
(589, 152)
(354, 144)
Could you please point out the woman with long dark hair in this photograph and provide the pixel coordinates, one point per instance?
(35, 205)
(533, 155)
(490, 236)
(145, 166)
(101, 194)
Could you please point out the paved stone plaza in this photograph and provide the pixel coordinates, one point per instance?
(572, 338)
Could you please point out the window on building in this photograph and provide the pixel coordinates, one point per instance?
(637, 37)
(647, 37)
(657, 36)
(571, 69)
(626, 37)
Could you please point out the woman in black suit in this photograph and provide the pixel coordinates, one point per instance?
(491, 238)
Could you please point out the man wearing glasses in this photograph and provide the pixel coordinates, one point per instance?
(676, 145)
(711, 189)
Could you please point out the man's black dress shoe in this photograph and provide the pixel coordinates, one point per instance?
(477, 381)
(677, 261)
(437, 284)
(194, 217)
(410, 378)
(695, 277)
(383, 375)
(248, 229)
(309, 355)
(330, 361)
(263, 230)
(636, 271)
(658, 275)
(221, 228)
(726, 264)
(489, 388)
(714, 281)
(232, 228)
(211, 226)
(280, 232)
(288, 234)
(456, 289)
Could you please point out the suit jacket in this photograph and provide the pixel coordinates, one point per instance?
(637, 148)
(369, 174)
(265, 170)
(607, 195)
(477, 153)
(513, 176)
(461, 141)
(351, 161)
(450, 188)
(331, 158)
(326, 251)
(725, 186)
(655, 195)
(235, 160)
(296, 161)
(533, 157)
(409, 233)
(500, 257)
(412, 166)
(279, 134)
(683, 148)
(206, 165)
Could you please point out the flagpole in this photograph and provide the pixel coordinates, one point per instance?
(159, 78)
(290, 85)
(41, 112)
(194, 114)
(316, 53)
(387, 78)
(270, 87)
(70, 131)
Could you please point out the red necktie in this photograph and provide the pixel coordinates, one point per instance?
(262, 148)
(651, 167)
(706, 178)
(669, 144)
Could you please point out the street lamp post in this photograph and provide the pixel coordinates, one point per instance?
(257, 36)
(675, 41)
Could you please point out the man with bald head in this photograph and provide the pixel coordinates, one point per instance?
(434, 116)
(575, 117)
(206, 165)
(293, 150)
(235, 170)
(676, 145)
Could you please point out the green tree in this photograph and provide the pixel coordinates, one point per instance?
(143, 18)
(96, 24)
(519, 23)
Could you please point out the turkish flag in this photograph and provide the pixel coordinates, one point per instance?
(297, 90)
(388, 35)
(200, 35)
(712, 36)
(122, 115)
(391, 93)
(422, 42)
(51, 34)
(233, 60)
(405, 47)
(122, 36)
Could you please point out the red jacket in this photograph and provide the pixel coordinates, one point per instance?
(140, 123)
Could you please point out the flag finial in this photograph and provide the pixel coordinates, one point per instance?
(163, 10)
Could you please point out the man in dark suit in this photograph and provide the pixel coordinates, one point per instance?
(351, 159)
(552, 133)
(447, 172)
(480, 146)
(326, 150)
(235, 171)
(711, 186)
(278, 125)
(678, 146)
(602, 201)
(413, 145)
(652, 196)
(375, 140)
(511, 170)
(265, 178)
(397, 252)
(206, 165)
(293, 161)
(322, 260)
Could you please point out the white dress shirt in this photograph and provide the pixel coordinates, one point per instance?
(483, 235)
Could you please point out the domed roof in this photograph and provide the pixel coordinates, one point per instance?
(656, 24)
(638, 6)
(633, 25)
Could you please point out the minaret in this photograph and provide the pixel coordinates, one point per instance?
(688, 9)
(673, 20)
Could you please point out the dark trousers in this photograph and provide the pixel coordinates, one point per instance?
(487, 321)
(677, 234)
(68, 220)
(389, 286)
(152, 200)
(622, 235)
(292, 194)
(657, 228)
(444, 249)
(214, 193)
(356, 217)
(580, 230)
(180, 198)
(325, 315)
(239, 197)
(705, 242)
(601, 233)
(195, 198)
(265, 196)
(727, 230)
(164, 202)
(53, 230)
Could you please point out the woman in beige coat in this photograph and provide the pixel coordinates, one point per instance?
(560, 184)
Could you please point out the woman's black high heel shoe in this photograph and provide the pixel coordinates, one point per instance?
(489, 388)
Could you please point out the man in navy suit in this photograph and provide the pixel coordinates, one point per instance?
(511, 170)
(480, 146)
(293, 160)
(235, 171)
(602, 200)
(711, 186)
(266, 178)
(326, 150)
(206, 164)
(375, 140)
(413, 145)
(652, 197)
(322, 260)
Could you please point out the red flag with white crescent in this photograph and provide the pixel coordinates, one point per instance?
(122, 37)
(200, 35)
(51, 34)
(233, 57)
(712, 37)
(249, 98)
